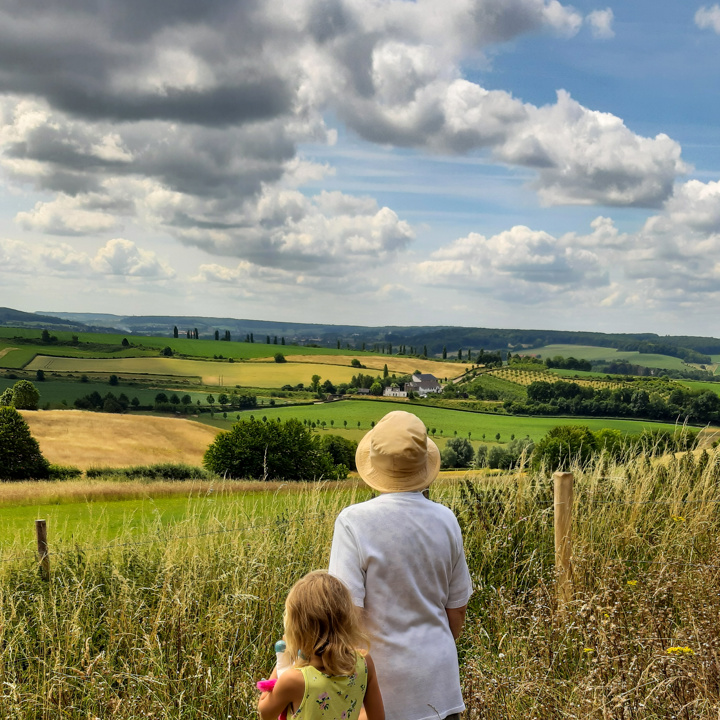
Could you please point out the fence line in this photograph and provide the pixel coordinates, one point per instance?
(563, 502)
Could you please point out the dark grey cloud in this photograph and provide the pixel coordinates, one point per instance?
(186, 115)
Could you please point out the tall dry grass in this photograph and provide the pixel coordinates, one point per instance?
(641, 639)
(182, 626)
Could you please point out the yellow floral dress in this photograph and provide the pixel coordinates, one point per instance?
(332, 697)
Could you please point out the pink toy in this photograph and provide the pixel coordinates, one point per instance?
(267, 686)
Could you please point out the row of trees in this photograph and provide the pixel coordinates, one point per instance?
(568, 398)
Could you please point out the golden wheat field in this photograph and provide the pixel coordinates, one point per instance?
(87, 439)
(243, 374)
(397, 364)
(262, 373)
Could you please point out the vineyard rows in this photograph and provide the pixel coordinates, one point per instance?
(525, 377)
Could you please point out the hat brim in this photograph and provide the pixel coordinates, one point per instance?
(382, 482)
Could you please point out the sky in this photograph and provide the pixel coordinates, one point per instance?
(486, 163)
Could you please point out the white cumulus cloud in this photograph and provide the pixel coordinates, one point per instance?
(708, 18)
(600, 22)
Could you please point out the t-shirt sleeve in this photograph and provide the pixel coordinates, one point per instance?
(460, 582)
(346, 562)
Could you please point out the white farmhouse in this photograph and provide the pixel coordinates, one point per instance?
(423, 384)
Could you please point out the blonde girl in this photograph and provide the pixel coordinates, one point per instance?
(331, 678)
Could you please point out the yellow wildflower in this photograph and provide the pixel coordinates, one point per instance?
(632, 583)
(678, 518)
(680, 651)
(588, 650)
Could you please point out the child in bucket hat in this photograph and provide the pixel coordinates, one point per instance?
(402, 557)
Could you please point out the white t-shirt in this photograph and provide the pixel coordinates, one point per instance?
(402, 557)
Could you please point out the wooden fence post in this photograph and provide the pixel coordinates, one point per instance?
(42, 548)
(563, 502)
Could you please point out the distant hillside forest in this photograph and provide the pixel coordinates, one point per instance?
(430, 340)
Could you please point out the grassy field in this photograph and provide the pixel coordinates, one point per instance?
(174, 615)
(581, 374)
(698, 385)
(445, 422)
(102, 511)
(590, 352)
(153, 345)
(87, 439)
(55, 391)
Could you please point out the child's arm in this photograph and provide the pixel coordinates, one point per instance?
(456, 620)
(372, 708)
(289, 689)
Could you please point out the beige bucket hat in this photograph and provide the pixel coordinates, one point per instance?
(397, 455)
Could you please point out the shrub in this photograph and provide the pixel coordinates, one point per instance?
(280, 358)
(458, 453)
(271, 451)
(25, 395)
(20, 456)
(159, 471)
(63, 472)
(563, 446)
(342, 450)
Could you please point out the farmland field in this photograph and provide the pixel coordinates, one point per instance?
(195, 503)
(591, 352)
(580, 374)
(397, 364)
(55, 391)
(699, 385)
(223, 374)
(144, 344)
(445, 422)
(88, 439)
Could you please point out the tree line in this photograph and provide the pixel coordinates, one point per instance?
(568, 398)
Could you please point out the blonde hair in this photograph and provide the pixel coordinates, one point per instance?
(321, 619)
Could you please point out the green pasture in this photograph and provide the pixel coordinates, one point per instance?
(591, 352)
(94, 524)
(580, 374)
(143, 344)
(445, 422)
(699, 385)
(55, 391)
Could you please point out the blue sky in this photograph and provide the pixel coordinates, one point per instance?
(497, 163)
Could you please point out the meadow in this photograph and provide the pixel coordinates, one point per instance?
(175, 616)
(591, 352)
(445, 422)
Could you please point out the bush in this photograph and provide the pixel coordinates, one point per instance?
(160, 471)
(63, 472)
(25, 395)
(563, 446)
(271, 451)
(280, 358)
(342, 450)
(20, 456)
(458, 453)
